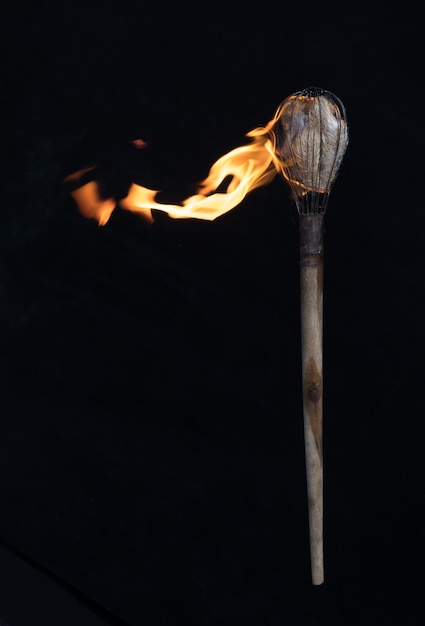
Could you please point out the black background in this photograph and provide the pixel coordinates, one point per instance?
(152, 457)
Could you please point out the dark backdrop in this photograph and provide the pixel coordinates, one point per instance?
(152, 456)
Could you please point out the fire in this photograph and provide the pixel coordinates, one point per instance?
(247, 167)
(91, 204)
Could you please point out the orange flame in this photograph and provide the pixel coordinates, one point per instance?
(249, 167)
(91, 204)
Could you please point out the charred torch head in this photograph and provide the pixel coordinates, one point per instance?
(311, 139)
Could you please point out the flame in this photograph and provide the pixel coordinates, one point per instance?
(91, 204)
(77, 175)
(248, 167)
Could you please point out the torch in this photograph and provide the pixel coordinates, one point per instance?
(311, 139)
(306, 141)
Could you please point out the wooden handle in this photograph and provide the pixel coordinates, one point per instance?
(311, 291)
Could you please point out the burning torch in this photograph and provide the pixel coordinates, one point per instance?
(306, 141)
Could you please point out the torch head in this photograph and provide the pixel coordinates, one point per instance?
(311, 139)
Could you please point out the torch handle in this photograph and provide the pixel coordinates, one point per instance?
(311, 292)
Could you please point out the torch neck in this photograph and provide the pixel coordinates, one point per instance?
(311, 233)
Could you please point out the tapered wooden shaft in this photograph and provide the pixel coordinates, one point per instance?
(311, 289)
